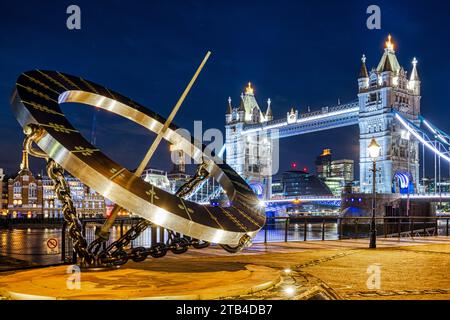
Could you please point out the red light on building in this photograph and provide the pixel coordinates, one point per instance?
(305, 169)
(294, 165)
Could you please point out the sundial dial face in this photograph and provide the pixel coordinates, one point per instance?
(36, 100)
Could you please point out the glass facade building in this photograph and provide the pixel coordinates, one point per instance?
(301, 183)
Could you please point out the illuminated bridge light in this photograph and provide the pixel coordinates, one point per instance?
(420, 138)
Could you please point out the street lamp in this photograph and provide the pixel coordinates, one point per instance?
(374, 152)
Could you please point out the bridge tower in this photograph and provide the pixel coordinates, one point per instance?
(250, 155)
(383, 90)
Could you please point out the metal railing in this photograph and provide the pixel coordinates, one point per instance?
(28, 242)
(304, 228)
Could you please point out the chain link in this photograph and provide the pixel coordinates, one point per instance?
(62, 190)
(115, 253)
(189, 187)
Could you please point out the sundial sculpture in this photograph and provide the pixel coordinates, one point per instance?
(36, 105)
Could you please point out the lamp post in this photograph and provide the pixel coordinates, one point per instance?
(374, 153)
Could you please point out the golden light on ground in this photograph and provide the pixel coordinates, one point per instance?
(289, 291)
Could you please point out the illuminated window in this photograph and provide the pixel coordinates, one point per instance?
(32, 190)
(17, 190)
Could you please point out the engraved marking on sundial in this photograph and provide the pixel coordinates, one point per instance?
(213, 217)
(185, 208)
(37, 93)
(117, 173)
(247, 217)
(69, 81)
(52, 80)
(152, 194)
(234, 219)
(90, 86)
(43, 108)
(40, 83)
(84, 151)
(59, 127)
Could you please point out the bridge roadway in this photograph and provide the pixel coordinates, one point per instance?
(433, 197)
(327, 118)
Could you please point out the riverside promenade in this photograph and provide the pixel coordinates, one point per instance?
(400, 268)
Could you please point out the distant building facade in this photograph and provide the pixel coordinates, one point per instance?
(28, 196)
(323, 164)
(336, 174)
(88, 203)
(297, 183)
(442, 186)
(158, 178)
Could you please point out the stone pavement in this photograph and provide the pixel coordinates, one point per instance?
(398, 269)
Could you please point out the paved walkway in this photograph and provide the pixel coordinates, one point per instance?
(398, 269)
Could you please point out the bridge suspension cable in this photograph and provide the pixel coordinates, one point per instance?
(434, 146)
(441, 135)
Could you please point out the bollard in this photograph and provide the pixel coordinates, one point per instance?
(83, 231)
(265, 233)
(63, 242)
(74, 256)
(339, 229)
(153, 238)
(323, 229)
(305, 230)
(161, 234)
(286, 225)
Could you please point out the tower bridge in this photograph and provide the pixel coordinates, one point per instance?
(383, 92)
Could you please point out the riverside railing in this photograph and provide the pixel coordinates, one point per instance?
(25, 239)
(305, 228)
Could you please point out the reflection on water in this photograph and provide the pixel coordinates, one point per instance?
(30, 244)
(277, 232)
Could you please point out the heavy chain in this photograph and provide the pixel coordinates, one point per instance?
(62, 190)
(115, 253)
(200, 175)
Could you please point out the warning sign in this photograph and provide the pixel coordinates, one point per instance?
(52, 246)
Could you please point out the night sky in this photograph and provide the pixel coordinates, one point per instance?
(298, 53)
